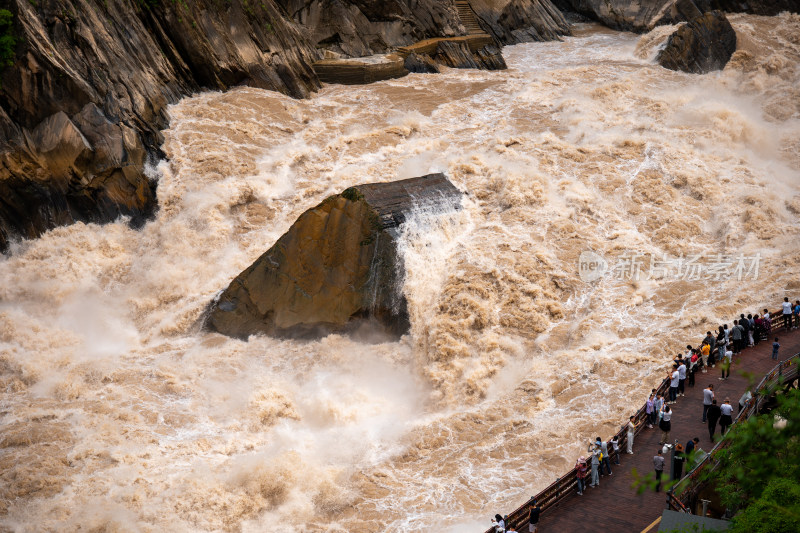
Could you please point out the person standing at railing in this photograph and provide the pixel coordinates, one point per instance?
(746, 332)
(725, 421)
(650, 410)
(775, 347)
(758, 332)
(708, 397)
(682, 378)
(705, 351)
(746, 397)
(631, 425)
(659, 407)
(714, 413)
(533, 517)
(581, 470)
(722, 345)
(605, 460)
(500, 526)
(787, 314)
(674, 378)
(751, 337)
(797, 314)
(737, 336)
(710, 340)
(665, 425)
(595, 453)
(615, 448)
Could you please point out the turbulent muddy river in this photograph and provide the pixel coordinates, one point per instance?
(119, 414)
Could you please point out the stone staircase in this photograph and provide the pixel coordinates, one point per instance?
(468, 18)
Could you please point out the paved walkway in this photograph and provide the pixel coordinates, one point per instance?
(614, 505)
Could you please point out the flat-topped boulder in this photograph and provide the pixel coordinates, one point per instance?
(703, 44)
(337, 266)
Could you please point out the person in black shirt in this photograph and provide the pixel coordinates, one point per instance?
(677, 462)
(714, 412)
(533, 517)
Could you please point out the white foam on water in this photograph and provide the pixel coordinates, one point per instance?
(120, 415)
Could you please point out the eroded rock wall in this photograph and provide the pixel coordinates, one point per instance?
(643, 15)
(518, 21)
(85, 98)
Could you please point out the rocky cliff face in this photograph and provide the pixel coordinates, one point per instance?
(336, 265)
(644, 15)
(519, 21)
(85, 96)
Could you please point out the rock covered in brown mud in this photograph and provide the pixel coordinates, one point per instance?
(337, 264)
(704, 44)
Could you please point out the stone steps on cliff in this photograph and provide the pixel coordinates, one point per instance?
(468, 18)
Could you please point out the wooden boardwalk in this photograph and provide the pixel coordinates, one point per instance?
(614, 505)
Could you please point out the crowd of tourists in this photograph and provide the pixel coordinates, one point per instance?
(719, 349)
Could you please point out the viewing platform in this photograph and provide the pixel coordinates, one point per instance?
(369, 69)
(615, 505)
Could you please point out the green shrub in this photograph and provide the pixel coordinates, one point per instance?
(7, 40)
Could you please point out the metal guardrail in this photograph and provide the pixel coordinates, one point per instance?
(564, 485)
(690, 485)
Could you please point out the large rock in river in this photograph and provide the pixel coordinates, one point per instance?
(337, 264)
(704, 44)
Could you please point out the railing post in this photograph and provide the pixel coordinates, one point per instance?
(558, 489)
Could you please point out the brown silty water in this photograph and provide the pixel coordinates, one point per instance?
(118, 414)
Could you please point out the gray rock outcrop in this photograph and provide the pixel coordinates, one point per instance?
(703, 44)
(643, 15)
(519, 21)
(337, 265)
(458, 55)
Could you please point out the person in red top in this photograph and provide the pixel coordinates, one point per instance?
(582, 470)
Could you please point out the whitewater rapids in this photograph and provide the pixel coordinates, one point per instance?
(118, 414)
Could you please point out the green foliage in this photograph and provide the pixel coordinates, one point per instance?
(760, 469)
(7, 40)
(776, 511)
(352, 194)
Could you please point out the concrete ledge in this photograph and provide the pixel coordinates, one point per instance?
(475, 42)
(361, 70)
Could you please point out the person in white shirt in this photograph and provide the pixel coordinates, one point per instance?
(725, 421)
(631, 434)
(726, 365)
(708, 397)
(665, 425)
(787, 314)
(674, 378)
(682, 378)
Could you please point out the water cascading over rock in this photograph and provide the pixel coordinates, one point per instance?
(704, 44)
(336, 266)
